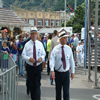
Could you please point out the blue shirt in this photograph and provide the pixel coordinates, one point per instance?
(20, 45)
(12, 50)
(71, 40)
(6, 49)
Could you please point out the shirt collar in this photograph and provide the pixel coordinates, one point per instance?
(33, 42)
(61, 45)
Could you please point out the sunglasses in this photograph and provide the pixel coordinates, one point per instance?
(65, 37)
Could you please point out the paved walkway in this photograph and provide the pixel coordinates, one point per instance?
(81, 89)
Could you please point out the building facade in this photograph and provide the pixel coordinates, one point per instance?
(40, 19)
(68, 16)
(43, 19)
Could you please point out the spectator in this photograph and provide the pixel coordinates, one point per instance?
(26, 35)
(48, 49)
(54, 42)
(73, 49)
(13, 49)
(6, 51)
(72, 40)
(79, 54)
(20, 46)
(76, 40)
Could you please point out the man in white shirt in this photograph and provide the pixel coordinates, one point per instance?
(34, 53)
(76, 40)
(79, 54)
(61, 60)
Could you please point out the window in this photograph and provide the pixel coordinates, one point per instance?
(32, 22)
(46, 22)
(57, 23)
(39, 22)
(52, 23)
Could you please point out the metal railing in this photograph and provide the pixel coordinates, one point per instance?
(93, 47)
(8, 78)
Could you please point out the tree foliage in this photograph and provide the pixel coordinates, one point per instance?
(77, 21)
(54, 5)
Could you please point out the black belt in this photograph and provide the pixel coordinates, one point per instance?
(35, 68)
(61, 72)
(31, 65)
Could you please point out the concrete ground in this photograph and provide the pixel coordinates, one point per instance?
(81, 89)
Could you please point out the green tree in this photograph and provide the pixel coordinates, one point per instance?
(54, 5)
(77, 21)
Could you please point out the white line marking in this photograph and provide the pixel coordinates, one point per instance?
(97, 96)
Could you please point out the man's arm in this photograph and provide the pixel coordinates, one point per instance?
(52, 64)
(43, 54)
(24, 54)
(72, 64)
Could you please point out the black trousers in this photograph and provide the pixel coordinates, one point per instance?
(34, 78)
(62, 80)
(48, 67)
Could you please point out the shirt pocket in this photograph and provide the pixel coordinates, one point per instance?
(30, 51)
(58, 55)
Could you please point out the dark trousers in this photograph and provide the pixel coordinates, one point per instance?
(5, 63)
(27, 84)
(62, 81)
(34, 78)
(48, 68)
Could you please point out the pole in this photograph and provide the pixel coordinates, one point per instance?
(89, 25)
(0, 52)
(1, 4)
(75, 4)
(65, 13)
(85, 36)
(96, 28)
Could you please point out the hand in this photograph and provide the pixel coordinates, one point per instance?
(20, 48)
(72, 76)
(39, 60)
(52, 75)
(32, 60)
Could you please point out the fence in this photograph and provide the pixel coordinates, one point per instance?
(8, 78)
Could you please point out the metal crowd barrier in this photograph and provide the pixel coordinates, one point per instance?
(8, 78)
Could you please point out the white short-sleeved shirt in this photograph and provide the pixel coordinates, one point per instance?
(56, 59)
(28, 51)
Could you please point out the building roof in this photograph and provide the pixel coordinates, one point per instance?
(9, 18)
(48, 30)
(51, 30)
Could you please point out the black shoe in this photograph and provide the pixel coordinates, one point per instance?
(51, 83)
(28, 92)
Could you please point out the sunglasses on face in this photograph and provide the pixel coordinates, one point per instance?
(65, 37)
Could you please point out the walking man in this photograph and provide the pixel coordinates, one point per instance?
(79, 54)
(61, 60)
(54, 42)
(34, 54)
